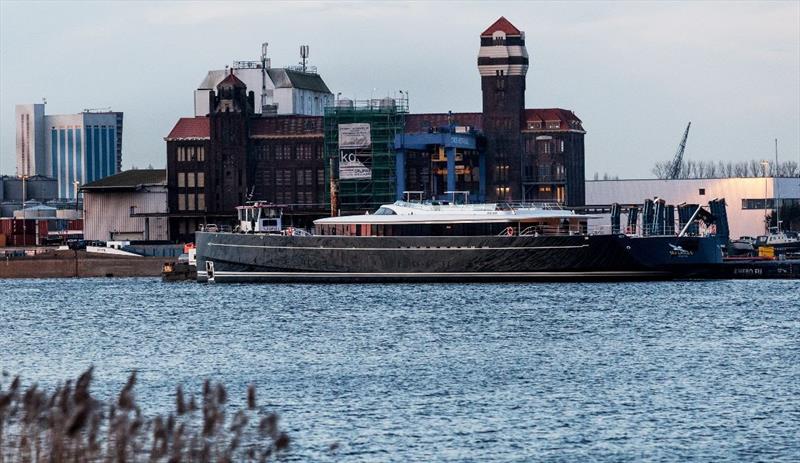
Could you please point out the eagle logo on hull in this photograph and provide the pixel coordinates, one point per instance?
(678, 251)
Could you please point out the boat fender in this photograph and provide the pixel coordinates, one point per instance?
(510, 231)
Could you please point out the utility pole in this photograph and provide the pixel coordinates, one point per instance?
(775, 188)
(765, 165)
(24, 214)
(76, 184)
(334, 189)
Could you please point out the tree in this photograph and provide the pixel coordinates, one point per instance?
(661, 169)
(728, 169)
(711, 170)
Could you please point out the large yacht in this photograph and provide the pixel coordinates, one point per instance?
(442, 241)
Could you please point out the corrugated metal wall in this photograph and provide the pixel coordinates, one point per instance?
(107, 215)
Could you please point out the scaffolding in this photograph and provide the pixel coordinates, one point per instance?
(386, 118)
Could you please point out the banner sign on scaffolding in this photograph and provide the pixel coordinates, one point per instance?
(355, 151)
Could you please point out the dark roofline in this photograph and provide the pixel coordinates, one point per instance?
(129, 180)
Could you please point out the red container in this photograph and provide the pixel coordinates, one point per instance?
(5, 226)
(20, 226)
(76, 224)
(22, 240)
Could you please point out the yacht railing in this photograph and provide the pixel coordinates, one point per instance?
(436, 206)
(531, 205)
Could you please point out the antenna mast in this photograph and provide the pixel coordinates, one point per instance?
(303, 56)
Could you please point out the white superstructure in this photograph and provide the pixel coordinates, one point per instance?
(402, 212)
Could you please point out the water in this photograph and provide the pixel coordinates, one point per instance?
(674, 371)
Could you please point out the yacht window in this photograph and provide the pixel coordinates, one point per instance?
(385, 211)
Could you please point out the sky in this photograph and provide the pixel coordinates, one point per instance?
(634, 72)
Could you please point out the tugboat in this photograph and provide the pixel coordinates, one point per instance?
(184, 269)
(442, 241)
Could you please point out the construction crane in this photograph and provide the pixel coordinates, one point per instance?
(677, 161)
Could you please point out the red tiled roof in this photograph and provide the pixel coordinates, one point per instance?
(231, 80)
(501, 24)
(564, 116)
(190, 128)
(422, 122)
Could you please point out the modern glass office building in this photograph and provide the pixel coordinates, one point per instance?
(78, 148)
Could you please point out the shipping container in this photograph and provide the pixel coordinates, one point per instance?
(20, 226)
(22, 240)
(5, 226)
(2, 240)
(75, 224)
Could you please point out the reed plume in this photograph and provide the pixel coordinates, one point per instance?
(70, 425)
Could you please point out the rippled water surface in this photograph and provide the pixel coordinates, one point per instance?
(675, 371)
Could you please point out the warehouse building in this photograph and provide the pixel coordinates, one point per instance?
(130, 206)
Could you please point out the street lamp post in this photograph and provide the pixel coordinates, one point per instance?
(76, 184)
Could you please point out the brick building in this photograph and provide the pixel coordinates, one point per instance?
(219, 161)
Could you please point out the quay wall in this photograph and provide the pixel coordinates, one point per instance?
(69, 264)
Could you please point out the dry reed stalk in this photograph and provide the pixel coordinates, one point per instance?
(69, 425)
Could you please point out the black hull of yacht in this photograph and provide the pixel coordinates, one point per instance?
(233, 257)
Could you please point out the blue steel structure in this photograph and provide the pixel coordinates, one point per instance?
(450, 140)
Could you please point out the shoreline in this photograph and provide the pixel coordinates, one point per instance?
(80, 264)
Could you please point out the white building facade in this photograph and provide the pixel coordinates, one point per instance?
(285, 91)
(31, 156)
(75, 149)
(748, 200)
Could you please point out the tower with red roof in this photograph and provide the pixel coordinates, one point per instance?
(503, 64)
